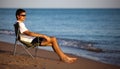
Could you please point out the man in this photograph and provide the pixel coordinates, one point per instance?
(43, 39)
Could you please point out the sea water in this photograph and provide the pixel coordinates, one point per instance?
(77, 30)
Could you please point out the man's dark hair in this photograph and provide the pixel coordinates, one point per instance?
(19, 11)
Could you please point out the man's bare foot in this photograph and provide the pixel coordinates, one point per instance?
(69, 59)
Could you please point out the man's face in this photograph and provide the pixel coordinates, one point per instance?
(22, 16)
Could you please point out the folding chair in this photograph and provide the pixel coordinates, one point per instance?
(26, 45)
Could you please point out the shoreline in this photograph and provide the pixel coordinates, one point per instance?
(44, 60)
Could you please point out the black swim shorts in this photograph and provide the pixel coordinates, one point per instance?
(37, 40)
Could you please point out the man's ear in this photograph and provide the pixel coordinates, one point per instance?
(18, 16)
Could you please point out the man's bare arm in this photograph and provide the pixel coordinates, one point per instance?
(29, 33)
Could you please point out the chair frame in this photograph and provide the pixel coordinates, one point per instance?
(17, 39)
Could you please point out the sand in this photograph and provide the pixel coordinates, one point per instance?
(44, 60)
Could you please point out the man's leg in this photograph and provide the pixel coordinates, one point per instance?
(53, 42)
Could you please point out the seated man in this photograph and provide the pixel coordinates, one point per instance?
(43, 39)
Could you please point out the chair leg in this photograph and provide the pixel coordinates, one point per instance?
(36, 49)
(28, 52)
(14, 51)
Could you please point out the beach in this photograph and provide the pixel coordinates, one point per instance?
(75, 29)
(43, 60)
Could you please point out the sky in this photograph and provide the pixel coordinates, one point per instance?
(59, 3)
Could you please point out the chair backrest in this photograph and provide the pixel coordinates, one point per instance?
(17, 31)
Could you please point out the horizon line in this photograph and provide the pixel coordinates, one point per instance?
(54, 8)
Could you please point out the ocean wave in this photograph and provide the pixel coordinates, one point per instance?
(7, 32)
(85, 45)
